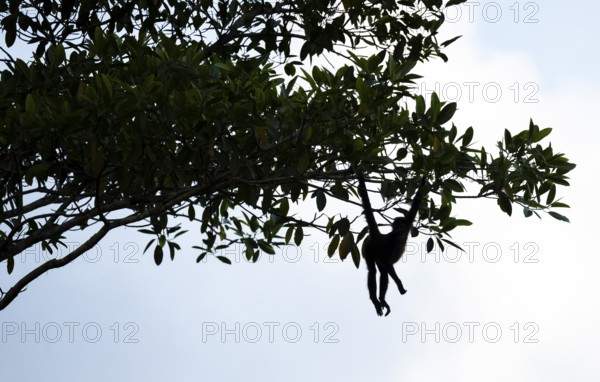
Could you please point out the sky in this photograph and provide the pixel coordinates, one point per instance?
(518, 305)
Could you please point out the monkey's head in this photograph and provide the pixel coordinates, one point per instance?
(400, 224)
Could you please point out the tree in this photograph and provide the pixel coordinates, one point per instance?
(222, 113)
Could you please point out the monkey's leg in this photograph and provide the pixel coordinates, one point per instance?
(396, 279)
(383, 285)
(372, 284)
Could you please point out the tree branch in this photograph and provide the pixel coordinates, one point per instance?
(7, 297)
(13, 292)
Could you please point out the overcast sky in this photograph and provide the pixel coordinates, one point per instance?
(517, 306)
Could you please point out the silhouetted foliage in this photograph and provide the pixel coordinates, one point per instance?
(221, 113)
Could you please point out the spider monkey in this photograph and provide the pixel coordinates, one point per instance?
(384, 250)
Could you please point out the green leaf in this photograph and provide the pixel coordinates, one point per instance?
(449, 224)
(191, 212)
(343, 226)
(533, 128)
(362, 89)
(339, 191)
(253, 223)
(551, 194)
(448, 42)
(454, 2)
(559, 180)
(290, 69)
(483, 158)
(355, 255)
(107, 83)
(453, 133)
(249, 252)
(172, 248)
(545, 187)
(558, 216)
(454, 185)
(453, 244)
(440, 243)
(96, 159)
(40, 169)
(333, 245)
(429, 245)
(58, 56)
(10, 28)
(23, 68)
(158, 255)
(541, 134)
(435, 106)
(401, 153)
(317, 75)
(30, 106)
(463, 222)
(267, 200)
(446, 113)
(420, 107)
(299, 235)
(11, 36)
(303, 163)
(362, 234)
(288, 234)
(358, 144)
(467, 137)
(149, 243)
(505, 203)
(10, 264)
(266, 247)
(224, 259)
(321, 200)
(284, 207)
(406, 67)
(507, 138)
(346, 245)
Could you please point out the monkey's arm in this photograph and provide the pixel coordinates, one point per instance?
(414, 207)
(364, 196)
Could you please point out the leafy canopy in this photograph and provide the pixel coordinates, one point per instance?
(226, 113)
